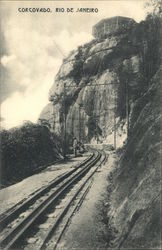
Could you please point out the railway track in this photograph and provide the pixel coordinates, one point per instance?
(42, 214)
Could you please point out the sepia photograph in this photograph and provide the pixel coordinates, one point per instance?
(80, 125)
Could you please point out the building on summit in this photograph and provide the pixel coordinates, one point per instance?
(112, 25)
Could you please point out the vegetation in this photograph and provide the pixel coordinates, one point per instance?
(154, 7)
(25, 149)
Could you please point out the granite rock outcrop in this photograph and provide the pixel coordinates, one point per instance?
(97, 82)
(114, 82)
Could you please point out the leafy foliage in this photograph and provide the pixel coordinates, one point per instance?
(24, 149)
(154, 7)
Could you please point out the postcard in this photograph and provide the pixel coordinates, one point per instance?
(80, 148)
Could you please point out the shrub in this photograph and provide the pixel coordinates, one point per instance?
(24, 149)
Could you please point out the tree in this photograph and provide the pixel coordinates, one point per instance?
(154, 7)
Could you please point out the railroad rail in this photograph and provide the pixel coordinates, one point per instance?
(17, 211)
(45, 201)
(86, 187)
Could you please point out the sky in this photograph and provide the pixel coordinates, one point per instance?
(33, 46)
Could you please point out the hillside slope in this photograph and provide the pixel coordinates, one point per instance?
(135, 201)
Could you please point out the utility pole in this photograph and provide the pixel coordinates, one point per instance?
(96, 129)
(114, 120)
(117, 23)
(53, 123)
(79, 120)
(104, 29)
(64, 122)
(80, 106)
(97, 121)
(127, 107)
(54, 118)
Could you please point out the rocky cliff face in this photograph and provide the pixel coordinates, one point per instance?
(114, 77)
(134, 204)
(103, 79)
